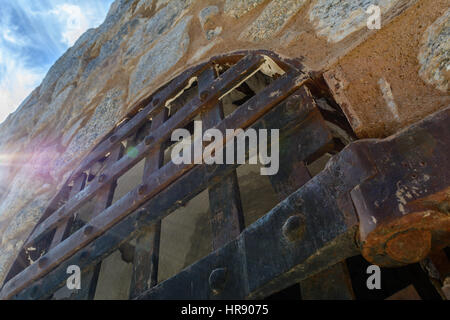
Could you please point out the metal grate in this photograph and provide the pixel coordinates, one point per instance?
(56, 239)
(314, 227)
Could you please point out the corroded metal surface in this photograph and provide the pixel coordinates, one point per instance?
(404, 207)
(388, 199)
(332, 228)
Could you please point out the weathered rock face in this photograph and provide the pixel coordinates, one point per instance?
(382, 73)
(434, 54)
(401, 69)
(337, 19)
(275, 15)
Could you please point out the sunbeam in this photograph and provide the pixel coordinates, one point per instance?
(33, 35)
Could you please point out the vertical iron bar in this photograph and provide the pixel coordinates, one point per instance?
(227, 218)
(62, 230)
(146, 256)
(102, 201)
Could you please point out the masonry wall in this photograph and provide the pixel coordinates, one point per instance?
(383, 79)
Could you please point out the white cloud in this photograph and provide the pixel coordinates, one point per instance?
(73, 22)
(9, 36)
(16, 84)
(49, 27)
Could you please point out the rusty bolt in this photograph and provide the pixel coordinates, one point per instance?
(88, 230)
(294, 228)
(113, 139)
(204, 95)
(410, 246)
(217, 280)
(142, 189)
(42, 262)
(102, 178)
(149, 140)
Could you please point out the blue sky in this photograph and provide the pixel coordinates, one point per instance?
(33, 35)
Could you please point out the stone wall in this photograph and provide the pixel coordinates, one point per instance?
(383, 79)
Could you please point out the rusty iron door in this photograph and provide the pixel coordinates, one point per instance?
(387, 199)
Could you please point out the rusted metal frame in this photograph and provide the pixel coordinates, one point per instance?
(306, 233)
(347, 170)
(227, 217)
(242, 117)
(317, 226)
(219, 87)
(62, 230)
(178, 82)
(146, 254)
(128, 128)
(139, 116)
(178, 194)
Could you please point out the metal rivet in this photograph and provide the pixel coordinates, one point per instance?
(102, 178)
(42, 262)
(149, 140)
(113, 139)
(88, 230)
(142, 189)
(298, 202)
(85, 255)
(217, 280)
(204, 95)
(294, 228)
(410, 246)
